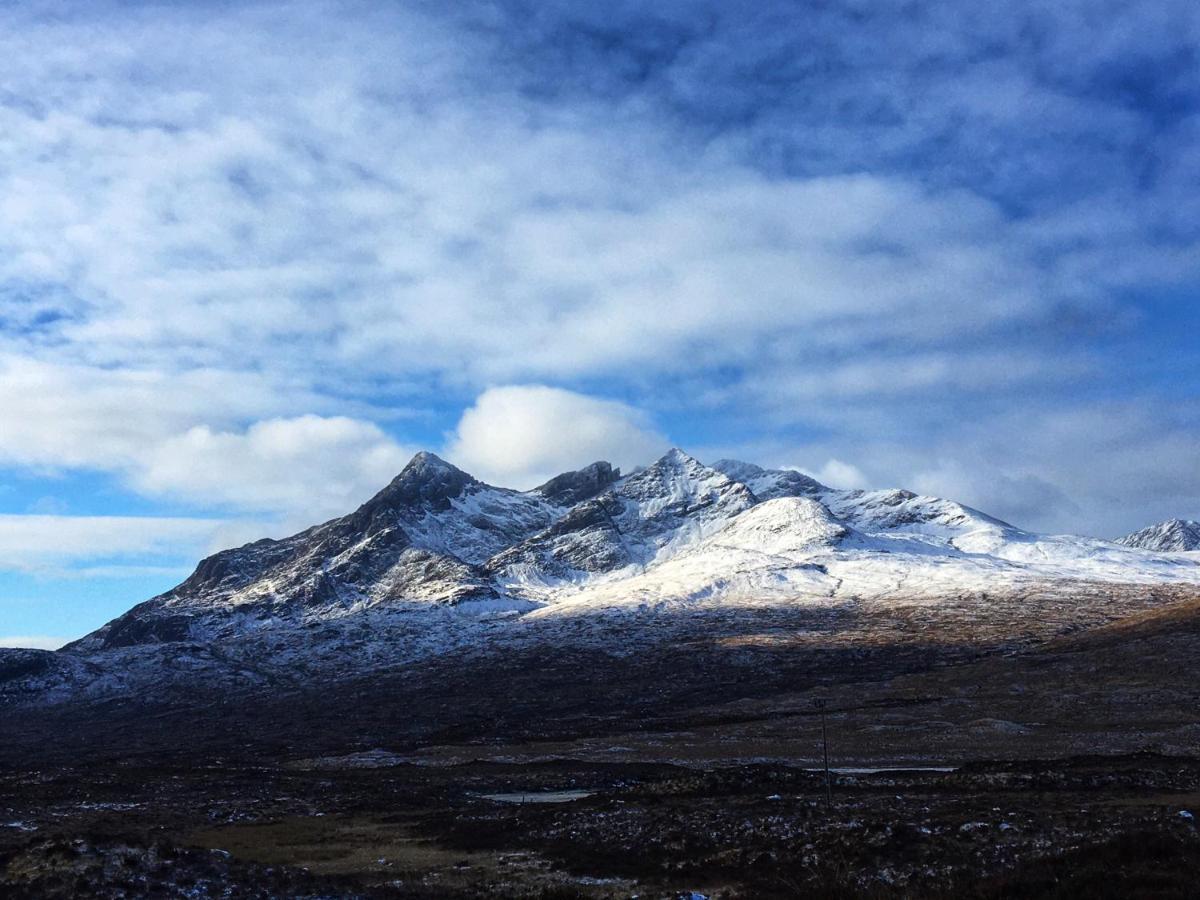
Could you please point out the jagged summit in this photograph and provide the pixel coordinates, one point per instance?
(427, 478)
(426, 464)
(427, 459)
(675, 476)
(641, 519)
(735, 468)
(678, 458)
(1171, 536)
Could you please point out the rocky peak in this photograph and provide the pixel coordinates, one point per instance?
(676, 476)
(570, 488)
(674, 502)
(678, 460)
(426, 480)
(677, 491)
(1171, 536)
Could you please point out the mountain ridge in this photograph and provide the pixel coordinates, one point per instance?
(439, 562)
(436, 534)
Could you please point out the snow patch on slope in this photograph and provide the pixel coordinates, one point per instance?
(784, 526)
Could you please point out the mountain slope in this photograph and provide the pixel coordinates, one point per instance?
(641, 521)
(423, 537)
(1172, 536)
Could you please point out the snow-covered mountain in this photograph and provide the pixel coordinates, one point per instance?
(424, 537)
(438, 560)
(1172, 536)
(437, 537)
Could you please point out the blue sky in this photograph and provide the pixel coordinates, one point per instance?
(252, 256)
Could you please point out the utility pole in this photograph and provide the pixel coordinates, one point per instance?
(820, 704)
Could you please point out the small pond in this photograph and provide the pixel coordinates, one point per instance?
(538, 796)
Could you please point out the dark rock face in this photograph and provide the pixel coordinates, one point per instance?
(233, 569)
(792, 484)
(22, 663)
(586, 539)
(133, 629)
(427, 480)
(575, 487)
(421, 574)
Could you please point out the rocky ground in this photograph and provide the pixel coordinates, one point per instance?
(1096, 827)
(1060, 768)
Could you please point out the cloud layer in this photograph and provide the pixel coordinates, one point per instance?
(40, 543)
(263, 252)
(311, 465)
(523, 435)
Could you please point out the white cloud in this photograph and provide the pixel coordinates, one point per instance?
(32, 641)
(521, 435)
(844, 475)
(180, 434)
(309, 467)
(1103, 469)
(1007, 491)
(907, 374)
(253, 214)
(37, 543)
(64, 414)
(698, 275)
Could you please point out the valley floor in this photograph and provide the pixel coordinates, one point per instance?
(1065, 768)
(1084, 827)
